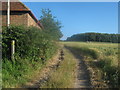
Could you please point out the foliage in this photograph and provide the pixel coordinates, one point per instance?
(28, 42)
(13, 33)
(32, 48)
(18, 72)
(96, 37)
(110, 72)
(50, 24)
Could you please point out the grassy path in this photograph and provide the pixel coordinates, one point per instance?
(65, 75)
(70, 72)
(83, 78)
(58, 73)
(101, 60)
(43, 74)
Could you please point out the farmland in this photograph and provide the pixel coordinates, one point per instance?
(108, 50)
(36, 57)
(86, 64)
(101, 58)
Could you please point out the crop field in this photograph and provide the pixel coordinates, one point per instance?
(105, 50)
(102, 57)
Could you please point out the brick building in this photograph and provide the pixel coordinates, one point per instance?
(19, 15)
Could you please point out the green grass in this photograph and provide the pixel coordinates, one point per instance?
(64, 77)
(109, 50)
(15, 74)
(105, 53)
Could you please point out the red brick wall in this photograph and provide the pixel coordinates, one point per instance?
(19, 18)
(16, 18)
(31, 21)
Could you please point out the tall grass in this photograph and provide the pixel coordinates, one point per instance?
(64, 76)
(106, 55)
(33, 48)
(17, 73)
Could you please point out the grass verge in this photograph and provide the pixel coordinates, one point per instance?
(64, 76)
(102, 58)
(18, 73)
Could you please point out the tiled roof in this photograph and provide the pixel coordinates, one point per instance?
(15, 6)
(19, 6)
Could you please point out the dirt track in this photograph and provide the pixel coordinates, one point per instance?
(44, 74)
(82, 74)
(82, 79)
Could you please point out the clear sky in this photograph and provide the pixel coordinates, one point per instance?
(81, 17)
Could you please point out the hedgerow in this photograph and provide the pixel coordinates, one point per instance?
(32, 48)
(28, 42)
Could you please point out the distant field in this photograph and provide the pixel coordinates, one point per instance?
(109, 50)
(105, 55)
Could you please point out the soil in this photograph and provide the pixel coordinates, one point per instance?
(82, 73)
(44, 74)
(82, 79)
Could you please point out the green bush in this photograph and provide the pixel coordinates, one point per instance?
(32, 48)
(16, 33)
(28, 42)
(14, 73)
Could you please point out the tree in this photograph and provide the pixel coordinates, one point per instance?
(50, 24)
(96, 37)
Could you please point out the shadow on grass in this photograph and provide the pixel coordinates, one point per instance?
(110, 73)
(84, 51)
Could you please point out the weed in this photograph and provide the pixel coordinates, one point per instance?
(106, 56)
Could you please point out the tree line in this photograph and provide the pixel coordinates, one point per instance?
(95, 37)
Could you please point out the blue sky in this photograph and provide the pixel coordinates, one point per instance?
(81, 17)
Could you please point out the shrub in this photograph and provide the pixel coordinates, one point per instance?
(28, 42)
(16, 33)
(32, 48)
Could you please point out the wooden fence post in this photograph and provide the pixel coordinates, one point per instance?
(12, 49)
